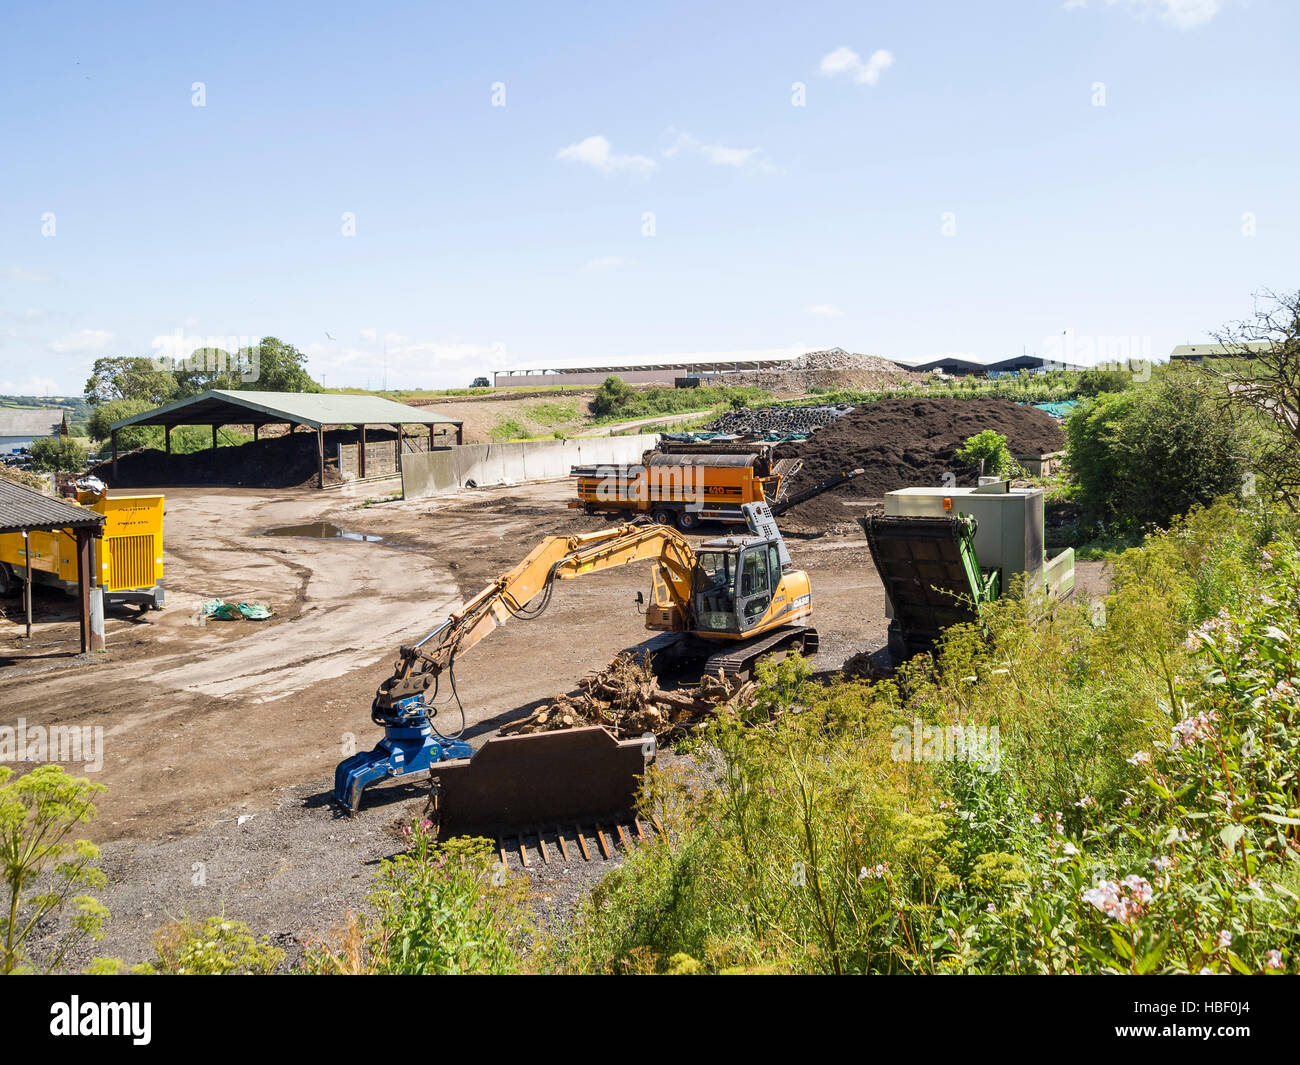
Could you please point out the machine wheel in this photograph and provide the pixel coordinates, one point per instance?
(662, 516)
(687, 520)
(9, 584)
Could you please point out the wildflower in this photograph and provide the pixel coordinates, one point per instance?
(1273, 960)
(1224, 940)
(1162, 863)
(990, 908)
(1037, 819)
(1085, 802)
(1139, 758)
(1139, 887)
(878, 872)
(1069, 849)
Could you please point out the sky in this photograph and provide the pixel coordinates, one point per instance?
(417, 194)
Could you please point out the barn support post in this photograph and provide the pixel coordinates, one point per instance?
(167, 438)
(320, 456)
(431, 438)
(256, 427)
(214, 438)
(27, 584)
(361, 452)
(84, 564)
(459, 434)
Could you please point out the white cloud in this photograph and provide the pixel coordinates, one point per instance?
(846, 61)
(370, 333)
(423, 364)
(1182, 14)
(607, 262)
(81, 342)
(716, 154)
(23, 273)
(824, 310)
(596, 152)
(31, 386)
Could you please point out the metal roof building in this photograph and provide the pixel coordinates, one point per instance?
(315, 410)
(639, 371)
(24, 511)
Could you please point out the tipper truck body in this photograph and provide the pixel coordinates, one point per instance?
(685, 484)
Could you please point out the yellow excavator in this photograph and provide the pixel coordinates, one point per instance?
(729, 601)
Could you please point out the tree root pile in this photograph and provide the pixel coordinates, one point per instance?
(626, 698)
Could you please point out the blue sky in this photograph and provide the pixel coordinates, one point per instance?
(949, 184)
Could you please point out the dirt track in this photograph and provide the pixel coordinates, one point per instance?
(220, 739)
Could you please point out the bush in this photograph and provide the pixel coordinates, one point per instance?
(1136, 813)
(437, 909)
(987, 451)
(213, 947)
(39, 811)
(58, 454)
(1142, 457)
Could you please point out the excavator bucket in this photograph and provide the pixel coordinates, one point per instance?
(513, 783)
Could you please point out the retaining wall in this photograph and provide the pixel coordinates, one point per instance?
(536, 460)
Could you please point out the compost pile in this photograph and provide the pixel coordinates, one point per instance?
(626, 698)
(284, 461)
(777, 421)
(831, 369)
(903, 443)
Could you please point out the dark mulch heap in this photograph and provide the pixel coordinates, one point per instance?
(903, 443)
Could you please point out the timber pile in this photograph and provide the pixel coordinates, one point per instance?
(626, 698)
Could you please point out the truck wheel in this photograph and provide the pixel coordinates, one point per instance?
(687, 520)
(662, 517)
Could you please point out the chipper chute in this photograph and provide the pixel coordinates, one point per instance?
(931, 575)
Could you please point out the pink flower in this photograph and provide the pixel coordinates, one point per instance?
(1273, 960)
(1224, 940)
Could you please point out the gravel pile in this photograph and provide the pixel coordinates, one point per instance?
(830, 369)
(780, 421)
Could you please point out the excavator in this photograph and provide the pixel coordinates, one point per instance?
(729, 601)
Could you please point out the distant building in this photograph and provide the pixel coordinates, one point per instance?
(21, 426)
(956, 367)
(1199, 352)
(651, 371)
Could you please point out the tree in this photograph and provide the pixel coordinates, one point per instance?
(1100, 379)
(1143, 457)
(274, 366)
(58, 454)
(612, 396)
(38, 813)
(1258, 379)
(988, 452)
(115, 410)
(129, 377)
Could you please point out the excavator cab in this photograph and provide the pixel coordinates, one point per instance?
(734, 583)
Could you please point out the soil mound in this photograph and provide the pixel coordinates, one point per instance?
(285, 461)
(903, 443)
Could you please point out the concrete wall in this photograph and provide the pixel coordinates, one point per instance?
(536, 460)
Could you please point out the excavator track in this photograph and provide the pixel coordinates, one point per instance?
(740, 658)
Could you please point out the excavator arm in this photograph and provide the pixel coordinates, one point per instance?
(524, 592)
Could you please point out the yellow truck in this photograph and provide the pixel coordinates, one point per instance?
(129, 559)
(684, 484)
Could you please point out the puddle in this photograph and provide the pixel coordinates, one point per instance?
(320, 530)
